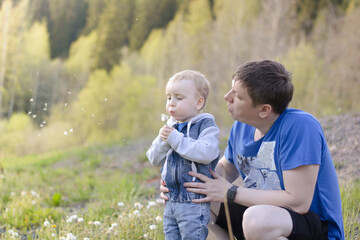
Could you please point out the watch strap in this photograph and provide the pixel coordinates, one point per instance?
(231, 193)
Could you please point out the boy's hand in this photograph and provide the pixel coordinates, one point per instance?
(165, 132)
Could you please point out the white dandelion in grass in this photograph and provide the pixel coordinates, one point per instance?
(159, 200)
(136, 213)
(80, 219)
(158, 219)
(46, 223)
(138, 205)
(120, 204)
(70, 236)
(96, 223)
(151, 204)
(152, 227)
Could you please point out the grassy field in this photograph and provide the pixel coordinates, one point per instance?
(79, 194)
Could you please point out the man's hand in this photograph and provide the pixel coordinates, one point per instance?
(163, 190)
(214, 189)
(165, 132)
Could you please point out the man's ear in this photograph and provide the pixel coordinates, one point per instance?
(265, 110)
(200, 103)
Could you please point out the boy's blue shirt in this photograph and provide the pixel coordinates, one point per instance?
(194, 147)
(295, 139)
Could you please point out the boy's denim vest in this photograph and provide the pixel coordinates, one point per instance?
(177, 167)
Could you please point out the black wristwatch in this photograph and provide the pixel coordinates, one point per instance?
(231, 193)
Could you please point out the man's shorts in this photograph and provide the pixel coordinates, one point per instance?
(307, 226)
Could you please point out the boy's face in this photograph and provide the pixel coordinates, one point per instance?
(183, 100)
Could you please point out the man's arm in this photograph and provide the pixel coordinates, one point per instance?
(298, 194)
(226, 170)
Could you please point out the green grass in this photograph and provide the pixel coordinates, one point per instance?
(41, 194)
(51, 188)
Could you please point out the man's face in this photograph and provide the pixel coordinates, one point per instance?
(240, 105)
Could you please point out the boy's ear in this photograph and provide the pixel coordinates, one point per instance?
(265, 110)
(200, 103)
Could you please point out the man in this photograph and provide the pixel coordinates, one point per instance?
(290, 188)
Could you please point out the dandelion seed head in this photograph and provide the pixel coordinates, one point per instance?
(80, 219)
(138, 205)
(96, 223)
(53, 235)
(152, 227)
(158, 219)
(65, 133)
(159, 200)
(164, 117)
(46, 223)
(151, 204)
(120, 204)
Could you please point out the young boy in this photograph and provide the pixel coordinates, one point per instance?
(188, 142)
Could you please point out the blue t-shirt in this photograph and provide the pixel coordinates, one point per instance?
(295, 139)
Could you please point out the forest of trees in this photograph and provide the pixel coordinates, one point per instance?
(75, 72)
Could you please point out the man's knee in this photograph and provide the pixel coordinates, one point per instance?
(266, 222)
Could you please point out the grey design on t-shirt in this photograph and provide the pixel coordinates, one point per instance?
(260, 171)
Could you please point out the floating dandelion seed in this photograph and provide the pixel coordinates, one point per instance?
(39, 135)
(164, 117)
(65, 133)
(93, 115)
(105, 99)
(31, 100)
(29, 113)
(152, 227)
(65, 104)
(71, 130)
(34, 116)
(69, 92)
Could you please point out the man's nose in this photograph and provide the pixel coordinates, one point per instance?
(227, 96)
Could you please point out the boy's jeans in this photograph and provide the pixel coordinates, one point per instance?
(186, 220)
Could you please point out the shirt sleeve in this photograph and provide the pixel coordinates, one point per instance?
(302, 142)
(157, 152)
(202, 150)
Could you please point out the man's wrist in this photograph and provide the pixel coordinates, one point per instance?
(231, 193)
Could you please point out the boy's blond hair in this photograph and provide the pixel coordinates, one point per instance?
(201, 83)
